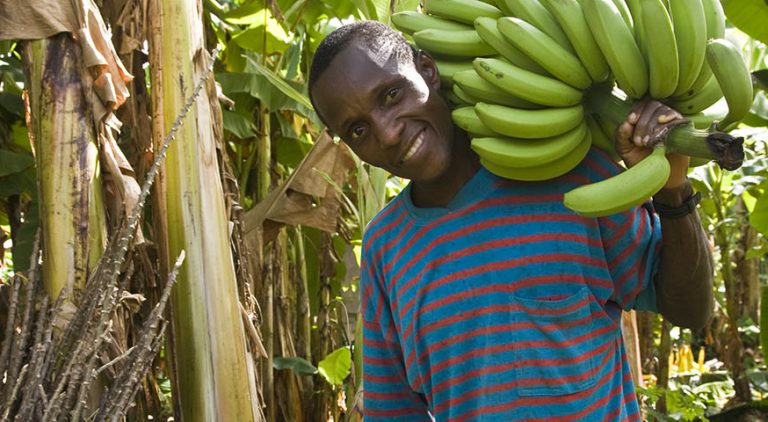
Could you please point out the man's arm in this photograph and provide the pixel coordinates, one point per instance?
(684, 279)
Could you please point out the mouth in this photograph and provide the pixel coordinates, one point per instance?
(415, 146)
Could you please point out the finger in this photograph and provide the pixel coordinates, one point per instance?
(646, 123)
(669, 116)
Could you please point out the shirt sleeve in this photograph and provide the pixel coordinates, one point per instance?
(632, 244)
(387, 396)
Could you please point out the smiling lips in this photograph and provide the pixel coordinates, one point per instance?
(414, 146)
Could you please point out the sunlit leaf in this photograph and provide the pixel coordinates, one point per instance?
(336, 366)
(759, 217)
(749, 16)
(281, 84)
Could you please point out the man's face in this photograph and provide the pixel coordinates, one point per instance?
(389, 113)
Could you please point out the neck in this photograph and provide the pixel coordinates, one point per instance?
(441, 191)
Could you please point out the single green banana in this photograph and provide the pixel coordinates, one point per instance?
(705, 119)
(623, 191)
(530, 124)
(661, 49)
(702, 99)
(600, 139)
(544, 171)
(690, 27)
(618, 45)
(635, 14)
(569, 15)
(477, 87)
(464, 11)
(527, 85)
(447, 68)
(410, 21)
(545, 51)
(715, 17)
(466, 119)
(626, 14)
(443, 42)
(735, 81)
(453, 99)
(463, 96)
(486, 28)
(533, 12)
(516, 152)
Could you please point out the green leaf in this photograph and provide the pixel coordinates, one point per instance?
(238, 124)
(761, 77)
(281, 84)
(12, 103)
(290, 151)
(296, 364)
(14, 162)
(759, 217)
(255, 39)
(749, 16)
(336, 366)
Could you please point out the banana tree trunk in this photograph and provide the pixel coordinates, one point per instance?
(66, 157)
(211, 365)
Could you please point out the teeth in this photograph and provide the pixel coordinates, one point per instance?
(415, 146)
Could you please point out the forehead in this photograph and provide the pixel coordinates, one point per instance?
(358, 62)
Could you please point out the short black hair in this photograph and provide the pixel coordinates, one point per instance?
(373, 34)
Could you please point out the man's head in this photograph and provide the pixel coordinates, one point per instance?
(381, 97)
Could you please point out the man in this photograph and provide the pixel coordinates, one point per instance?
(485, 298)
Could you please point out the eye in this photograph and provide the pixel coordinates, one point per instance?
(392, 94)
(357, 132)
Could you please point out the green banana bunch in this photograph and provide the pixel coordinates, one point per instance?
(545, 51)
(465, 11)
(466, 43)
(690, 27)
(447, 68)
(515, 152)
(486, 28)
(660, 48)
(532, 83)
(410, 21)
(529, 124)
(616, 40)
(483, 91)
(533, 12)
(466, 118)
(570, 16)
(734, 80)
(715, 17)
(546, 171)
(527, 85)
(622, 191)
(700, 100)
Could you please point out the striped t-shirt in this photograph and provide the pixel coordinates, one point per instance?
(504, 305)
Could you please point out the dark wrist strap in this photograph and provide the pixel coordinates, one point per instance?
(688, 206)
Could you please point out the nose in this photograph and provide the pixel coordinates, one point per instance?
(387, 128)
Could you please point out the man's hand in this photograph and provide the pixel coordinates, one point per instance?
(648, 123)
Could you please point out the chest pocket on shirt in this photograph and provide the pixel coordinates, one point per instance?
(556, 348)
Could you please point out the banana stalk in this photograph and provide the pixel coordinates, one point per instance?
(709, 144)
(66, 158)
(212, 367)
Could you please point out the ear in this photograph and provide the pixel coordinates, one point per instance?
(427, 67)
